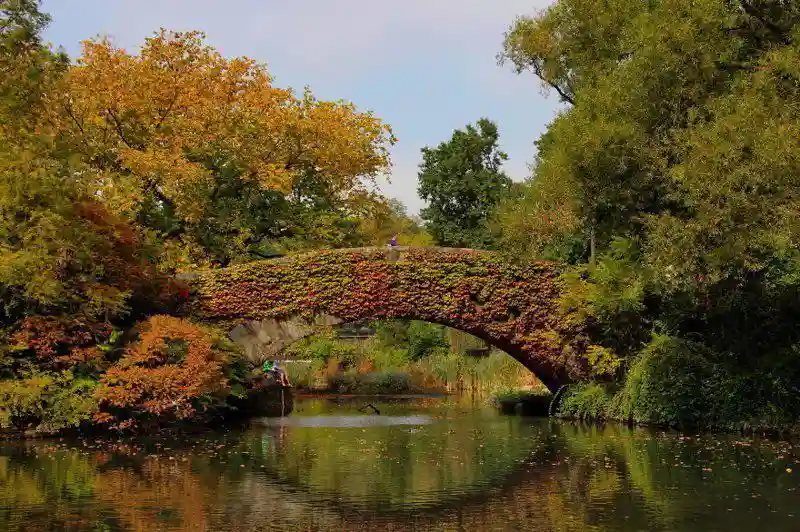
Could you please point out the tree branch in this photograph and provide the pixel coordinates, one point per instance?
(168, 110)
(120, 131)
(560, 91)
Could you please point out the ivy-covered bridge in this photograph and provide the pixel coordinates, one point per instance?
(269, 304)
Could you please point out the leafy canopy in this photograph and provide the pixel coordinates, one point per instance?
(461, 181)
(172, 129)
(679, 158)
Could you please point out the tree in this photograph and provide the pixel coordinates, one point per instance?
(28, 68)
(462, 182)
(679, 159)
(390, 218)
(177, 134)
(570, 43)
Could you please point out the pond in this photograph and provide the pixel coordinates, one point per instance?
(421, 464)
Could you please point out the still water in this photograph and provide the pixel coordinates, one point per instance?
(421, 464)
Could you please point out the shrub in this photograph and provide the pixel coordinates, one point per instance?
(389, 382)
(667, 384)
(384, 382)
(424, 339)
(321, 347)
(174, 371)
(304, 374)
(588, 401)
(61, 343)
(47, 402)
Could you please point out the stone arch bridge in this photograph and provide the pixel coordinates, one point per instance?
(272, 303)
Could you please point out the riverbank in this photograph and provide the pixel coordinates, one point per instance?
(604, 403)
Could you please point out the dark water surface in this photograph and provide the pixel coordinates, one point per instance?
(422, 464)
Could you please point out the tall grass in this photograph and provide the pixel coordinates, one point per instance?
(397, 364)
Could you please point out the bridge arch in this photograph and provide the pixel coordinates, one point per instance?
(512, 307)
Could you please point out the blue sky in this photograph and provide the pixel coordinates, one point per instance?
(426, 67)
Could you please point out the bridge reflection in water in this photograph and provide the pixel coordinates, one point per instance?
(464, 469)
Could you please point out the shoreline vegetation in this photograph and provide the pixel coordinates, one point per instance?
(665, 191)
(404, 358)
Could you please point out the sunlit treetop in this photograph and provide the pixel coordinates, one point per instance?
(153, 117)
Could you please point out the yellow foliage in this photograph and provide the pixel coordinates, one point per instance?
(151, 117)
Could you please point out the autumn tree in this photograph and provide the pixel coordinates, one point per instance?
(173, 372)
(118, 168)
(168, 130)
(461, 180)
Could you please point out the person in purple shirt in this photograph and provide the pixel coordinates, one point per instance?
(393, 242)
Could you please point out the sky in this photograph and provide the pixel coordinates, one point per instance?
(426, 67)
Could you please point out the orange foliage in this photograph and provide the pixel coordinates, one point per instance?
(61, 343)
(148, 118)
(152, 380)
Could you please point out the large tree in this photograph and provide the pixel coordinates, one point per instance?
(118, 168)
(679, 157)
(462, 181)
(178, 136)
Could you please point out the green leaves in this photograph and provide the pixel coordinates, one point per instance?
(678, 163)
(462, 182)
(46, 402)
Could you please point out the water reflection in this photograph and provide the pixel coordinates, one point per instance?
(420, 465)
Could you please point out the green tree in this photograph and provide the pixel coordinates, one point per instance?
(391, 218)
(676, 167)
(462, 182)
(28, 68)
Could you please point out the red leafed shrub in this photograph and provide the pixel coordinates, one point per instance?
(121, 263)
(163, 377)
(62, 343)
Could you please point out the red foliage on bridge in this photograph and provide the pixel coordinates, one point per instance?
(513, 307)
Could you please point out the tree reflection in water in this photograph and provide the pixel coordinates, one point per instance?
(467, 469)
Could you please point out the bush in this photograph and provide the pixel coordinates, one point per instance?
(304, 375)
(59, 343)
(323, 348)
(419, 338)
(681, 383)
(47, 402)
(381, 382)
(425, 339)
(174, 372)
(389, 382)
(668, 383)
(588, 402)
